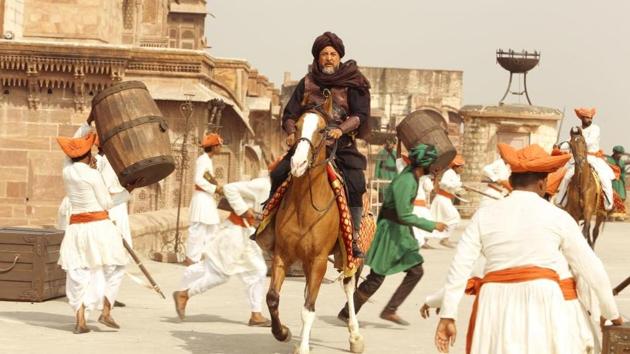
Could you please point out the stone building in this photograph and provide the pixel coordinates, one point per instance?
(396, 92)
(486, 126)
(57, 55)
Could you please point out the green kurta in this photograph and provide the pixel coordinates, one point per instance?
(385, 165)
(619, 185)
(394, 248)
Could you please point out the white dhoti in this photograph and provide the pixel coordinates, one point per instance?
(199, 235)
(419, 234)
(229, 253)
(604, 172)
(443, 210)
(532, 319)
(89, 286)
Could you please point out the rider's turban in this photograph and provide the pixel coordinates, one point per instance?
(76, 147)
(325, 40)
(585, 112)
(531, 159)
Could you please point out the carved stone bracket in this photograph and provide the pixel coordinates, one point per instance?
(79, 88)
(33, 85)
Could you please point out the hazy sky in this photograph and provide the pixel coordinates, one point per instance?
(585, 45)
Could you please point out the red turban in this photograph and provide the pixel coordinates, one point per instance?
(585, 112)
(76, 147)
(325, 40)
(211, 139)
(531, 159)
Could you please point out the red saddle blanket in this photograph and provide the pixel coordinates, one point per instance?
(350, 264)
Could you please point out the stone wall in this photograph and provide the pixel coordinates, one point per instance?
(74, 20)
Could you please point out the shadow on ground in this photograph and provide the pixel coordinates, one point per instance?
(53, 321)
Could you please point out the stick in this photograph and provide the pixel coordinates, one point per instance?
(142, 268)
(624, 284)
(480, 192)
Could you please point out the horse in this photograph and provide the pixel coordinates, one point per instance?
(584, 192)
(307, 229)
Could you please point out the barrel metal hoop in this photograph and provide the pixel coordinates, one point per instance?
(117, 88)
(133, 123)
(142, 164)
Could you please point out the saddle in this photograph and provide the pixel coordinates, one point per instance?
(344, 261)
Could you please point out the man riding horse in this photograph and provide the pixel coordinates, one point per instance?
(351, 109)
(605, 174)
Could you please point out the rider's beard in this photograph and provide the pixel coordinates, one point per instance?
(329, 70)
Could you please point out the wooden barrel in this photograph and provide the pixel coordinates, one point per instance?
(133, 133)
(425, 126)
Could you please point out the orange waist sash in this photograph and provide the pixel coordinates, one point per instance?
(446, 194)
(420, 202)
(237, 220)
(88, 217)
(510, 275)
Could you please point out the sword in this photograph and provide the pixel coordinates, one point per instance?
(479, 192)
(142, 268)
(560, 126)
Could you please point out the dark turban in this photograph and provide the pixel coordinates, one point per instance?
(347, 75)
(325, 40)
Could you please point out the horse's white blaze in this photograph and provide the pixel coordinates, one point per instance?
(356, 339)
(299, 161)
(308, 317)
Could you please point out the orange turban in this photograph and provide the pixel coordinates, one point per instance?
(212, 139)
(76, 147)
(585, 112)
(531, 159)
(458, 161)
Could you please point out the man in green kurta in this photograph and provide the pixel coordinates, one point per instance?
(619, 185)
(386, 161)
(394, 248)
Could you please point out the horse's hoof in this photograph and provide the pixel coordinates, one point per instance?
(284, 335)
(286, 332)
(357, 345)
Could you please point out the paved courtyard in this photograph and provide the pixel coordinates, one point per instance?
(216, 321)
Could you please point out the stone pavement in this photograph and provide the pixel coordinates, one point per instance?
(216, 321)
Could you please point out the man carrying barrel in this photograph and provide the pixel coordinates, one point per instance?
(351, 106)
(91, 252)
(204, 216)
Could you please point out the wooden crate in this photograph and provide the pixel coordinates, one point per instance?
(35, 276)
(616, 339)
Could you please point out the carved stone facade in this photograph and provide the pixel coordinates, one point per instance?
(49, 76)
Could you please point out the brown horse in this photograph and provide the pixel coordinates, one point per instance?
(584, 192)
(307, 229)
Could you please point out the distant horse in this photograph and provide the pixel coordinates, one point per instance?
(307, 229)
(584, 192)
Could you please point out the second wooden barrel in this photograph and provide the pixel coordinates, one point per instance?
(425, 126)
(133, 133)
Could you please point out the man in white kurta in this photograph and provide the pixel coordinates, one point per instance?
(497, 173)
(231, 252)
(591, 133)
(442, 207)
(91, 252)
(518, 314)
(204, 216)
